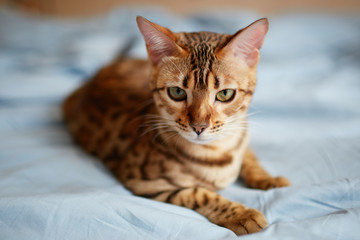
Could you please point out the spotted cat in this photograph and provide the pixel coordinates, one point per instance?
(173, 128)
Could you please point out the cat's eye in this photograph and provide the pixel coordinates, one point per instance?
(225, 95)
(177, 93)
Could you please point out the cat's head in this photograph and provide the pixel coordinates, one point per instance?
(202, 82)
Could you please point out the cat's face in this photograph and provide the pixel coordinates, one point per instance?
(203, 113)
(202, 83)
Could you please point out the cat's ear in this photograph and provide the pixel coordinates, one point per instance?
(245, 44)
(160, 41)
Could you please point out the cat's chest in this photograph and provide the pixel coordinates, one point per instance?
(221, 176)
(219, 168)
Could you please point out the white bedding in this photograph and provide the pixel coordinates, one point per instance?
(305, 126)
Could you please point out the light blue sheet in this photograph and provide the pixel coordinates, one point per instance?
(305, 126)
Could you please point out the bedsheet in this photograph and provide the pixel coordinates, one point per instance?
(305, 125)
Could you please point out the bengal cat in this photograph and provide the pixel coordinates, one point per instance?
(174, 128)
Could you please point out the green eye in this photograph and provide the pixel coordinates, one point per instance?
(177, 93)
(225, 95)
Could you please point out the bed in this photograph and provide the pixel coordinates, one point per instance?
(304, 123)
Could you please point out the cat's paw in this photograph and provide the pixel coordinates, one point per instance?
(269, 183)
(249, 221)
(280, 182)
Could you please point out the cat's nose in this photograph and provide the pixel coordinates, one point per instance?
(199, 128)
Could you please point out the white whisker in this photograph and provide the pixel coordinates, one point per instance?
(151, 129)
(159, 133)
(169, 136)
(154, 123)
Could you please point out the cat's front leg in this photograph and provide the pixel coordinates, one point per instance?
(255, 176)
(210, 204)
(217, 209)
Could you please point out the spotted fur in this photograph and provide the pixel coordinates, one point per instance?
(178, 152)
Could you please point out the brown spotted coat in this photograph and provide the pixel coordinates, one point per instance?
(119, 115)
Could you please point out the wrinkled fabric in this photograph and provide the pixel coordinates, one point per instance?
(304, 123)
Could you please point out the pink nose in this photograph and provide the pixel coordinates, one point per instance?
(199, 128)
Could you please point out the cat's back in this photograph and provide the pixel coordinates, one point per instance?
(123, 83)
(116, 93)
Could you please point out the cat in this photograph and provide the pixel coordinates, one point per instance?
(173, 128)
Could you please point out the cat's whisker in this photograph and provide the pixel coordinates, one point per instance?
(159, 127)
(235, 127)
(177, 140)
(155, 117)
(160, 133)
(236, 123)
(174, 133)
(146, 132)
(223, 134)
(238, 108)
(156, 121)
(145, 124)
(252, 113)
(240, 120)
(154, 128)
